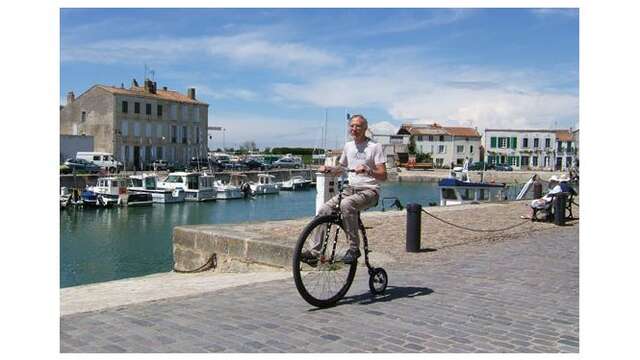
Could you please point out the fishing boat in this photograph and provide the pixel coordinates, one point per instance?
(197, 186)
(264, 185)
(108, 191)
(295, 183)
(458, 189)
(69, 197)
(227, 191)
(148, 183)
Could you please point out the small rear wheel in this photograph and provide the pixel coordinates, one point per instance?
(320, 275)
(378, 281)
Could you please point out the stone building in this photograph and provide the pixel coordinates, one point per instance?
(392, 143)
(531, 149)
(446, 144)
(139, 124)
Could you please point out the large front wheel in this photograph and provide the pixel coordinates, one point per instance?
(320, 275)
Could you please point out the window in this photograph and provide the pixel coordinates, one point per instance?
(494, 142)
(159, 153)
(136, 128)
(196, 114)
(439, 162)
(441, 137)
(442, 149)
(534, 161)
(524, 160)
(136, 108)
(502, 142)
(147, 132)
(419, 137)
(460, 148)
(471, 149)
(96, 157)
(525, 142)
(83, 116)
(159, 110)
(124, 128)
(125, 106)
(185, 112)
(547, 143)
(159, 130)
(430, 137)
(184, 134)
(559, 145)
(174, 135)
(568, 146)
(173, 110)
(536, 143)
(148, 109)
(197, 135)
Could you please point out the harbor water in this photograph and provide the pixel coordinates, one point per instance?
(99, 245)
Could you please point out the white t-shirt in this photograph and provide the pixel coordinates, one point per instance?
(367, 153)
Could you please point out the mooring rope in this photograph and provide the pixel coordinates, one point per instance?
(211, 263)
(476, 230)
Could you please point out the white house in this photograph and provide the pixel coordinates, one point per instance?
(446, 144)
(530, 149)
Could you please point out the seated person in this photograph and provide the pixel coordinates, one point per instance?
(544, 202)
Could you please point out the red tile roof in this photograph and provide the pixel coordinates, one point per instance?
(564, 135)
(169, 95)
(436, 129)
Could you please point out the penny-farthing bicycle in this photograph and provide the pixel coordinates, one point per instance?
(323, 279)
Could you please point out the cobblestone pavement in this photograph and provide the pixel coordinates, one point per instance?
(519, 295)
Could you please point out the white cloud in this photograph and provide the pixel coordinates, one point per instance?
(225, 93)
(469, 96)
(248, 48)
(266, 131)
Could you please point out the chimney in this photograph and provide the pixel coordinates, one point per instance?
(70, 97)
(134, 83)
(191, 92)
(164, 88)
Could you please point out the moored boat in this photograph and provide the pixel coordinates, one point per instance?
(264, 185)
(295, 183)
(197, 186)
(148, 183)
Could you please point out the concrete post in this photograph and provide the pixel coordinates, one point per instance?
(414, 221)
(325, 189)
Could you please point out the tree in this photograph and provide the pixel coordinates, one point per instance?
(412, 145)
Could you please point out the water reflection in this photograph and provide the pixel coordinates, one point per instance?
(107, 244)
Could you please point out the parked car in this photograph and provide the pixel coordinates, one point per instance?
(480, 165)
(204, 164)
(287, 163)
(503, 167)
(102, 159)
(252, 164)
(159, 165)
(82, 166)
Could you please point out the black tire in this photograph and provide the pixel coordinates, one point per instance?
(329, 280)
(378, 281)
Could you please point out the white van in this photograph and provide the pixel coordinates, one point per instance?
(102, 159)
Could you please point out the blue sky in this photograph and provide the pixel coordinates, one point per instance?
(270, 75)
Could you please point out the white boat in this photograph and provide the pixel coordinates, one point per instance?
(264, 185)
(458, 189)
(197, 186)
(295, 183)
(227, 191)
(242, 182)
(69, 197)
(110, 191)
(148, 183)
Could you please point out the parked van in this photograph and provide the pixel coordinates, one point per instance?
(102, 159)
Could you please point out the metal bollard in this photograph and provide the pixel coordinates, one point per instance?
(558, 210)
(414, 221)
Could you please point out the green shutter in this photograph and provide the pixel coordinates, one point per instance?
(493, 142)
(514, 142)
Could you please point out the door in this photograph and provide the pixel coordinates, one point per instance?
(136, 157)
(559, 163)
